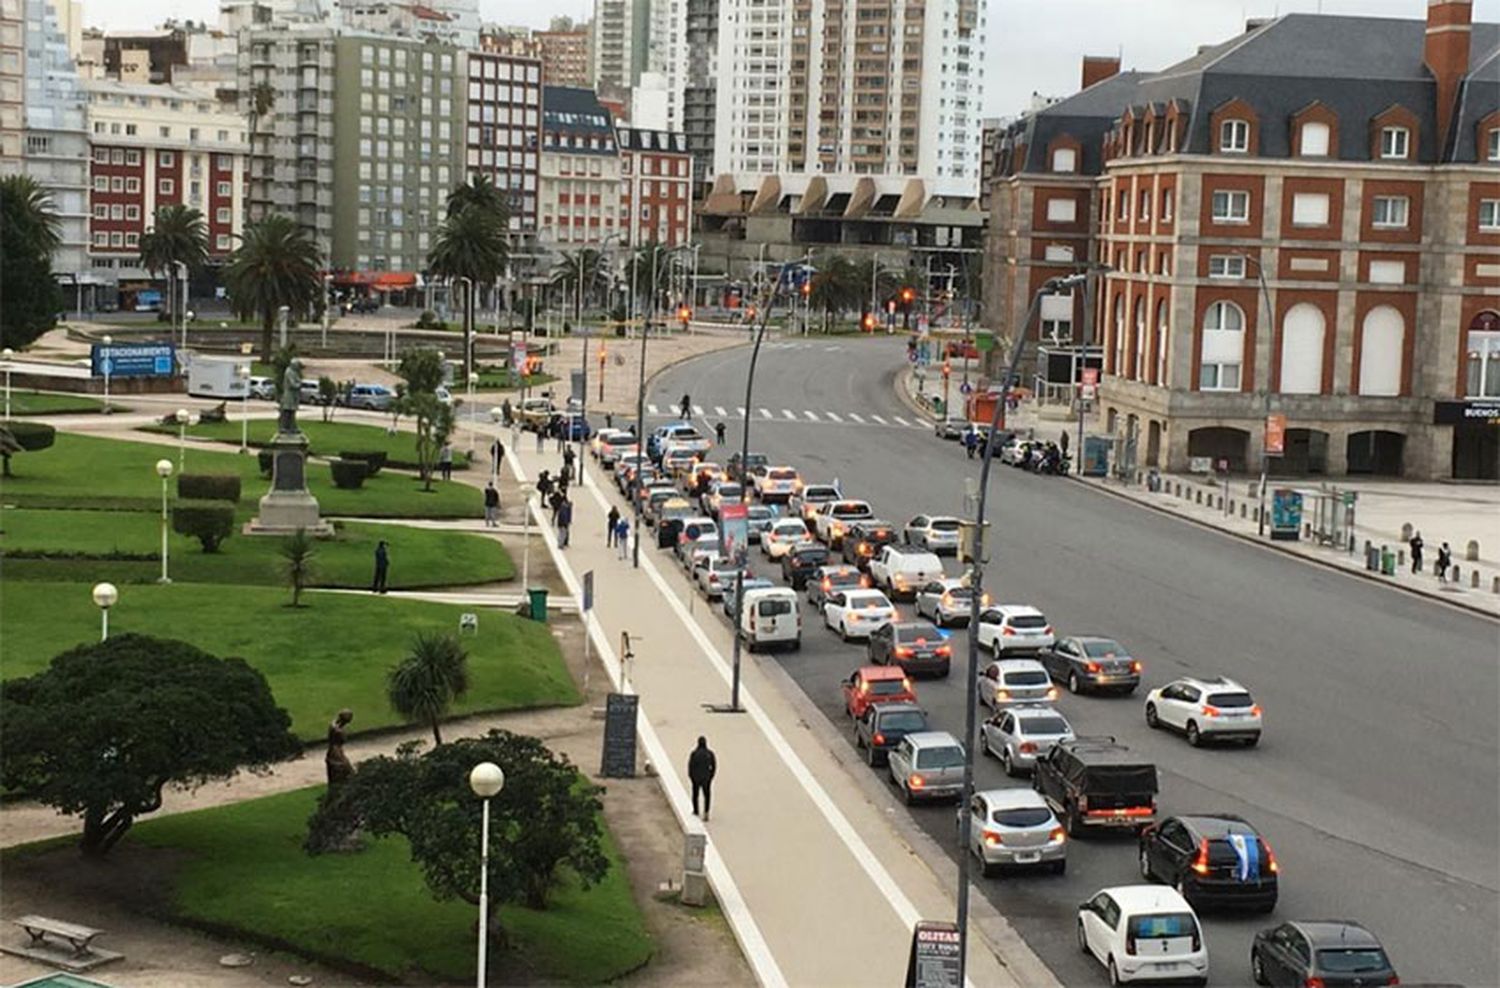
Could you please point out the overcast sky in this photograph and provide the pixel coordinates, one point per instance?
(1035, 45)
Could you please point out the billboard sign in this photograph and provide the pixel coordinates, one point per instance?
(133, 359)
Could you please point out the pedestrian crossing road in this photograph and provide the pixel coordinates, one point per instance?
(800, 416)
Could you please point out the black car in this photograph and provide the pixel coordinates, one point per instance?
(863, 539)
(805, 559)
(1094, 782)
(1336, 953)
(1087, 662)
(831, 579)
(754, 463)
(884, 725)
(916, 646)
(1213, 860)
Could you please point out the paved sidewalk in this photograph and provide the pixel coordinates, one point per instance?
(817, 884)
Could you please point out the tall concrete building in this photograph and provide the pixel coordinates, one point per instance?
(12, 85)
(618, 45)
(701, 92)
(504, 128)
(565, 57)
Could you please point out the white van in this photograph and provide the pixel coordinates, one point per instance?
(771, 617)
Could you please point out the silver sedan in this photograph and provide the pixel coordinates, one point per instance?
(947, 602)
(1019, 735)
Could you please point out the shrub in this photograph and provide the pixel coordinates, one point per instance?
(32, 436)
(210, 522)
(349, 474)
(208, 486)
(373, 459)
(267, 461)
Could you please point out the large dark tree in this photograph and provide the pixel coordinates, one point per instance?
(545, 819)
(276, 264)
(29, 234)
(107, 727)
(472, 245)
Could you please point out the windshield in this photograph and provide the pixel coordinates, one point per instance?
(887, 687)
(759, 513)
(1230, 701)
(1162, 925)
(1028, 677)
(1043, 725)
(948, 756)
(790, 528)
(624, 440)
(729, 490)
(945, 524)
(819, 493)
(811, 557)
(868, 600)
(1028, 621)
(1023, 816)
(904, 720)
(845, 578)
(1351, 960)
(1104, 649)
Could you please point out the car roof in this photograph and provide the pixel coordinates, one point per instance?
(793, 521)
(1014, 799)
(1215, 826)
(1015, 610)
(1102, 751)
(858, 592)
(933, 739)
(880, 672)
(838, 569)
(769, 591)
(1218, 683)
(1335, 933)
(902, 706)
(1019, 665)
(1148, 898)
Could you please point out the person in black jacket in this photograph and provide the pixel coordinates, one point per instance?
(701, 768)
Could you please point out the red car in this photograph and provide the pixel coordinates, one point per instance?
(869, 685)
(963, 349)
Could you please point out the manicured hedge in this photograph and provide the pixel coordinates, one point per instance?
(210, 522)
(209, 486)
(349, 474)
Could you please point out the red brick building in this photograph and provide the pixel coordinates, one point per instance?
(656, 183)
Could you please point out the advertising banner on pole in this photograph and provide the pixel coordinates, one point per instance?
(1275, 435)
(734, 529)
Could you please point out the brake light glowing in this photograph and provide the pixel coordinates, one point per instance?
(1028, 748)
(1002, 694)
(1007, 631)
(1047, 630)
(992, 839)
(915, 781)
(1271, 864)
(1255, 710)
(1052, 692)
(902, 652)
(1313, 982)
(878, 738)
(864, 687)
(947, 600)
(1091, 666)
(1057, 836)
(1210, 711)
(1124, 811)
(1200, 863)
(864, 581)
(944, 650)
(906, 684)
(1135, 667)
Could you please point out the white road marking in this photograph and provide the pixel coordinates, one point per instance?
(719, 410)
(811, 416)
(765, 413)
(856, 418)
(652, 409)
(831, 417)
(877, 418)
(789, 413)
(741, 410)
(697, 409)
(902, 422)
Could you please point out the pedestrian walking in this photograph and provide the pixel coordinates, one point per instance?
(541, 438)
(491, 506)
(497, 453)
(686, 407)
(564, 523)
(382, 565)
(1063, 442)
(609, 525)
(702, 766)
(445, 461)
(1416, 552)
(609, 420)
(506, 412)
(971, 442)
(568, 457)
(565, 475)
(562, 427)
(622, 537)
(719, 431)
(556, 503)
(1444, 563)
(544, 485)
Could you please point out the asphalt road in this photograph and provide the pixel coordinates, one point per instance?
(1376, 780)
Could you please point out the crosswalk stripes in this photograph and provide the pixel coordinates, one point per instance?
(765, 413)
(697, 409)
(789, 414)
(741, 410)
(855, 418)
(831, 417)
(877, 418)
(652, 409)
(811, 416)
(719, 410)
(902, 422)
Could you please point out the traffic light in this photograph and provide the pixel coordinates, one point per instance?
(869, 322)
(908, 294)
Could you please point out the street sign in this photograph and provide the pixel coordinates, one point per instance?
(133, 359)
(936, 950)
(984, 342)
(619, 736)
(966, 388)
(588, 591)
(1275, 435)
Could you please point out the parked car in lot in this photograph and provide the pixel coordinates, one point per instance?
(1015, 828)
(1213, 860)
(947, 602)
(869, 685)
(857, 613)
(1019, 735)
(807, 502)
(771, 618)
(1087, 662)
(1095, 782)
(263, 388)
(1205, 710)
(832, 579)
(882, 726)
(801, 562)
(1005, 682)
(1143, 933)
(783, 534)
(834, 517)
(1334, 953)
(936, 533)
(864, 539)
(1014, 629)
(777, 484)
(927, 765)
(916, 646)
(750, 583)
(901, 569)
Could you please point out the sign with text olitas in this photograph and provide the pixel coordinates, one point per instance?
(133, 359)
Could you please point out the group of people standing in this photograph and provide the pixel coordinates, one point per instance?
(1441, 566)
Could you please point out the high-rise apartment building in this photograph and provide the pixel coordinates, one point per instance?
(667, 61)
(565, 57)
(580, 180)
(656, 186)
(503, 131)
(618, 42)
(12, 84)
(701, 91)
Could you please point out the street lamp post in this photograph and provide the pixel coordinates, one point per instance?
(183, 417)
(1265, 457)
(976, 583)
(105, 596)
(486, 779)
(243, 372)
(182, 281)
(109, 365)
(473, 382)
(7, 353)
(525, 492)
(164, 470)
(327, 307)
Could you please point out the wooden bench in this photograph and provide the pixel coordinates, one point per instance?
(40, 928)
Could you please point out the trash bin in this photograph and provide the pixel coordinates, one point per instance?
(1372, 559)
(937, 407)
(1387, 562)
(538, 597)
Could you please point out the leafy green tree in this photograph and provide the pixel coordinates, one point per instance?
(277, 263)
(297, 553)
(471, 244)
(483, 194)
(29, 235)
(584, 265)
(178, 235)
(546, 819)
(424, 685)
(835, 288)
(107, 727)
(421, 371)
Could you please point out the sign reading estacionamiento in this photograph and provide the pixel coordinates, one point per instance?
(133, 359)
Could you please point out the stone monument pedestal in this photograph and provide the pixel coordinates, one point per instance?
(289, 505)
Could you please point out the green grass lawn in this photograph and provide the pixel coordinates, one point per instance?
(88, 471)
(36, 403)
(493, 379)
(244, 870)
(419, 557)
(332, 653)
(324, 438)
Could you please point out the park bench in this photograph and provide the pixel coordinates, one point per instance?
(40, 928)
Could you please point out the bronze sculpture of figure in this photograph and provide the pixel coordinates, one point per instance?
(337, 763)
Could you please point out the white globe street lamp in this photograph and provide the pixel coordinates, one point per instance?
(243, 373)
(105, 596)
(164, 470)
(183, 417)
(486, 779)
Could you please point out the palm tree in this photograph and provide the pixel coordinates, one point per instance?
(30, 232)
(178, 235)
(472, 244)
(585, 267)
(425, 683)
(836, 287)
(276, 264)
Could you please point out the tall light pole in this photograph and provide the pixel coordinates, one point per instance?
(486, 779)
(183, 417)
(243, 372)
(182, 281)
(525, 491)
(327, 307)
(164, 470)
(976, 582)
(109, 365)
(1265, 458)
(496, 415)
(8, 354)
(105, 596)
(473, 381)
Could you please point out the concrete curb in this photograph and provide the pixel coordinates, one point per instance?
(903, 394)
(1273, 547)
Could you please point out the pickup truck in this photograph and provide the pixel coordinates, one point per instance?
(902, 570)
(1094, 782)
(835, 516)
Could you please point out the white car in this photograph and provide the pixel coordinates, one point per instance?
(807, 502)
(936, 533)
(444, 396)
(1019, 735)
(695, 552)
(263, 388)
(777, 484)
(713, 574)
(1006, 682)
(834, 517)
(1015, 629)
(947, 601)
(614, 447)
(596, 444)
(856, 613)
(782, 535)
(902, 570)
(1015, 451)
(1015, 828)
(1205, 710)
(1143, 933)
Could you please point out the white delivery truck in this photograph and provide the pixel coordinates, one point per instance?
(209, 377)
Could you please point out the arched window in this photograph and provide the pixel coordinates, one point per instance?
(1380, 345)
(1119, 364)
(1223, 348)
(1161, 342)
(1315, 136)
(1140, 339)
(1302, 331)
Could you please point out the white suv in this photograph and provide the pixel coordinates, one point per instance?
(1143, 933)
(902, 570)
(1205, 709)
(834, 517)
(1014, 628)
(777, 484)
